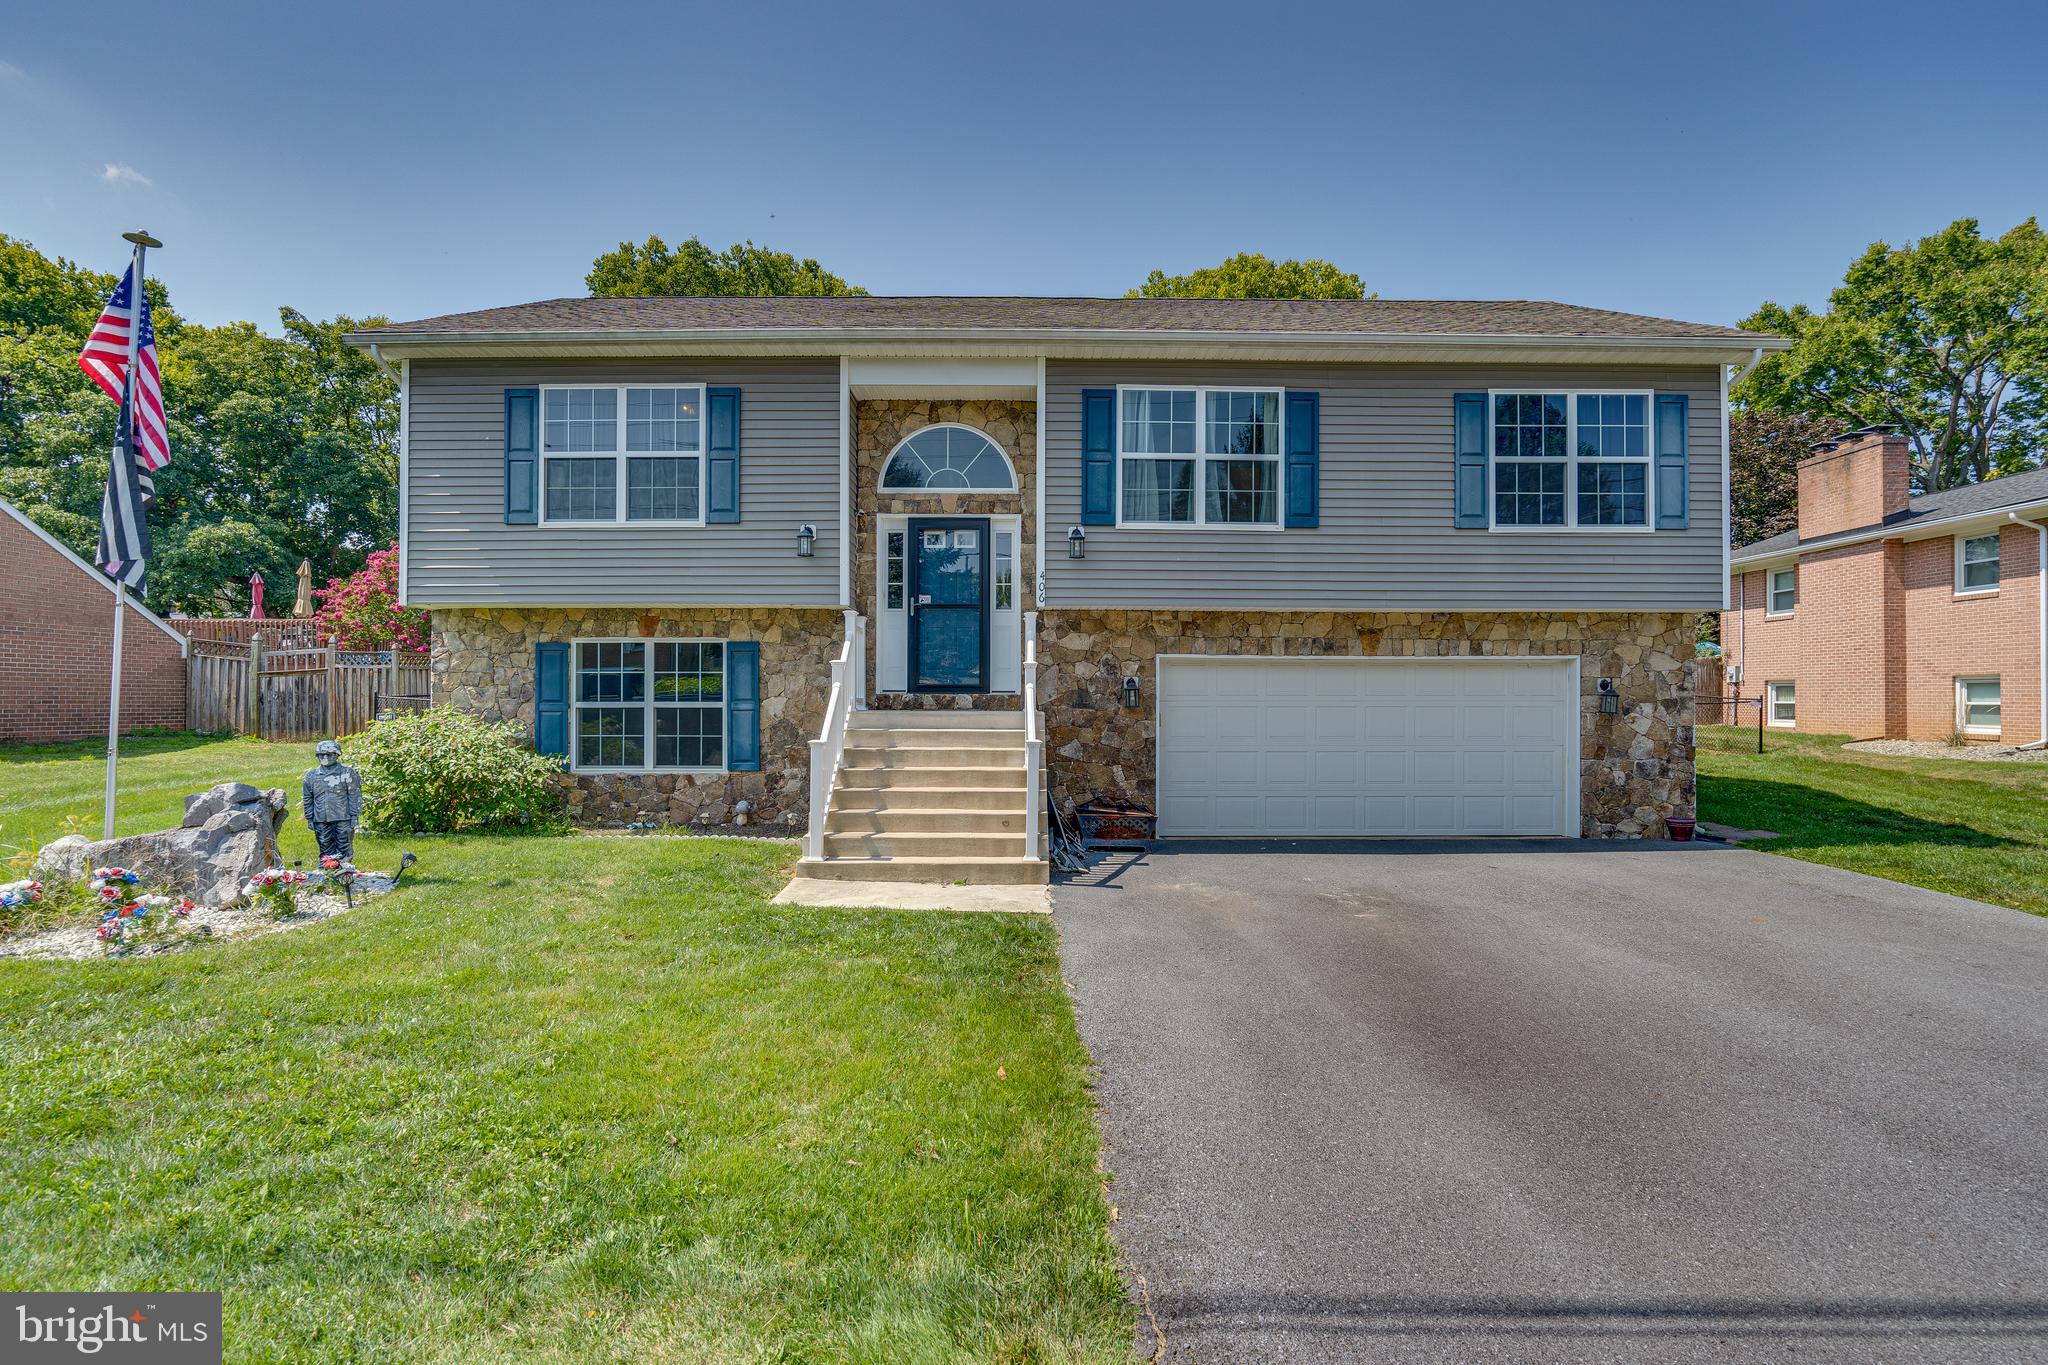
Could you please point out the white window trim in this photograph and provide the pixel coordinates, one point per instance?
(881, 480)
(649, 702)
(1771, 705)
(1964, 539)
(1571, 461)
(619, 454)
(1771, 613)
(1963, 707)
(1201, 457)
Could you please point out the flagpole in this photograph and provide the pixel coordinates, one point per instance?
(143, 241)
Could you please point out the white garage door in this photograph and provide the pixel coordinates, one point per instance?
(1336, 747)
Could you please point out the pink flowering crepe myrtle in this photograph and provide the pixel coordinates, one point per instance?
(362, 610)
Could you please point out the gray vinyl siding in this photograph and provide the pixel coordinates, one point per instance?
(1386, 540)
(460, 552)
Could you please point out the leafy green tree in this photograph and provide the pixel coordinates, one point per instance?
(691, 268)
(1946, 337)
(1764, 451)
(282, 447)
(1249, 275)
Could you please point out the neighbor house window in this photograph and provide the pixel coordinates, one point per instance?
(623, 453)
(1977, 706)
(1200, 457)
(650, 704)
(1782, 701)
(1571, 459)
(1784, 592)
(1977, 563)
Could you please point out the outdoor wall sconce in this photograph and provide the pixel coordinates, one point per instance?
(1077, 543)
(1130, 691)
(806, 541)
(1610, 700)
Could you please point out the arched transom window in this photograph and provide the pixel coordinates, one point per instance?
(949, 458)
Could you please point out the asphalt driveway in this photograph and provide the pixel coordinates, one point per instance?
(1565, 1102)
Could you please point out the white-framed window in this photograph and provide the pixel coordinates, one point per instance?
(1572, 460)
(1976, 564)
(622, 452)
(648, 705)
(1977, 707)
(948, 458)
(1199, 456)
(1004, 592)
(1783, 594)
(1781, 702)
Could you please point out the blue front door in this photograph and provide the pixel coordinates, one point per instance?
(948, 605)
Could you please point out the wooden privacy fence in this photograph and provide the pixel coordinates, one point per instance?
(297, 694)
(297, 632)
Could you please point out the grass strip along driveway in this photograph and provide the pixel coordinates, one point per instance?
(564, 1098)
(1970, 828)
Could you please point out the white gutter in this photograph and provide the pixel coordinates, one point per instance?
(2041, 602)
(378, 355)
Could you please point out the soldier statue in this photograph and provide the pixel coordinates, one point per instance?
(333, 802)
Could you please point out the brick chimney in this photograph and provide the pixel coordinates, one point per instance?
(1854, 481)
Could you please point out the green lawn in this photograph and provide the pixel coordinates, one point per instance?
(560, 1098)
(1975, 829)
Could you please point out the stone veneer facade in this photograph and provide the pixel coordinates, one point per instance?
(1636, 766)
(879, 426)
(483, 663)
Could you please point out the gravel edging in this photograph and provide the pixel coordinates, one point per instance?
(77, 942)
(1927, 748)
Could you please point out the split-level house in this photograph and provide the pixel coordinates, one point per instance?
(892, 571)
(1888, 616)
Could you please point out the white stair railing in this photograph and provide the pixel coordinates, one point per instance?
(1034, 739)
(849, 685)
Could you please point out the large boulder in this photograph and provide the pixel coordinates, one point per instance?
(229, 834)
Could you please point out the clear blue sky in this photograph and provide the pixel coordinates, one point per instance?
(1685, 160)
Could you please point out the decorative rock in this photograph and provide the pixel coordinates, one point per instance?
(230, 833)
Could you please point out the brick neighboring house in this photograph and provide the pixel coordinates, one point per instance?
(1887, 616)
(56, 639)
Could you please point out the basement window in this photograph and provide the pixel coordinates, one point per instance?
(1782, 699)
(1977, 706)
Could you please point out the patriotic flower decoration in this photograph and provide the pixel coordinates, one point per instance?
(112, 883)
(274, 884)
(140, 919)
(20, 893)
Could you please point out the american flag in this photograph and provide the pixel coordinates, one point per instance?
(140, 441)
(105, 358)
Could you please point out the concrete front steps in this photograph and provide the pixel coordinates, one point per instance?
(929, 796)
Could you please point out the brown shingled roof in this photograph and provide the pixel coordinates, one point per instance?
(1371, 317)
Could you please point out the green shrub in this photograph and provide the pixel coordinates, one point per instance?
(442, 770)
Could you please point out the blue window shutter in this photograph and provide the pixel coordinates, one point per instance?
(743, 707)
(522, 457)
(1672, 484)
(551, 700)
(1304, 447)
(722, 450)
(1470, 436)
(1098, 457)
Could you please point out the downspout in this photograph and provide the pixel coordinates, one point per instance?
(2041, 602)
(383, 364)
